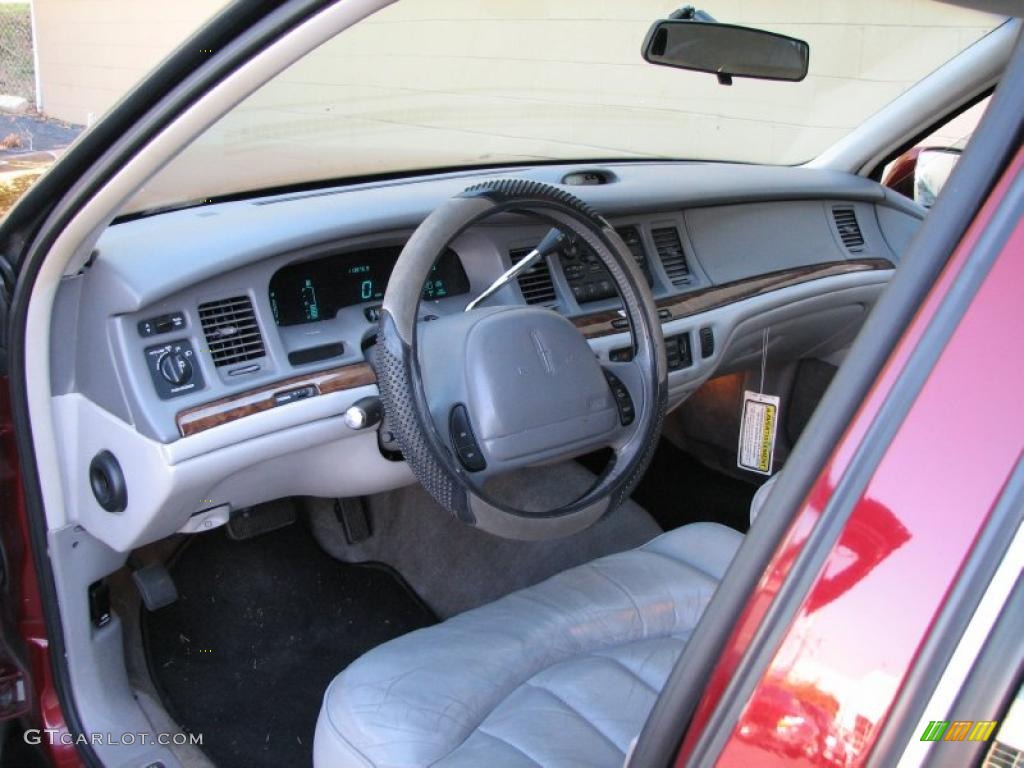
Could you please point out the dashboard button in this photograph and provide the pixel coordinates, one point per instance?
(292, 395)
(154, 326)
(677, 351)
(707, 342)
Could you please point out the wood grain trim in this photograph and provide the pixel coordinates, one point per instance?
(202, 417)
(600, 323)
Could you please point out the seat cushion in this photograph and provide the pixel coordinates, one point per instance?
(563, 673)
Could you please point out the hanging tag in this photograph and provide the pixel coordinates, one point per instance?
(758, 422)
(760, 418)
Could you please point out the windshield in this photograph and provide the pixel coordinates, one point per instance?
(443, 83)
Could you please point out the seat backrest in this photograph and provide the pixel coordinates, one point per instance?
(761, 497)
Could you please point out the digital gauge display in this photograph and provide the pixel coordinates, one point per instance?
(315, 290)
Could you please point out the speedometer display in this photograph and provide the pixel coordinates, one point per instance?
(315, 290)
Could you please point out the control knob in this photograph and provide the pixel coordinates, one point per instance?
(175, 367)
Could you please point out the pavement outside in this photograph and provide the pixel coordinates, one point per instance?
(29, 144)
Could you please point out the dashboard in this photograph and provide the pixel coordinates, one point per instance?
(214, 349)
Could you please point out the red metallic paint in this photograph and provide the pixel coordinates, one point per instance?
(861, 625)
(46, 711)
(900, 176)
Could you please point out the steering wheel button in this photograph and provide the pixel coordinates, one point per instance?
(624, 403)
(471, 458)
(462, 434)
(464, 441)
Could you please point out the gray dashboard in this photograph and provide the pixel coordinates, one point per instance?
(802, 252)
(171, 264)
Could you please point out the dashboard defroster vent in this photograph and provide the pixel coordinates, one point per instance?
(535, 283)
(670, 251)
(232, 333)
(848, 228)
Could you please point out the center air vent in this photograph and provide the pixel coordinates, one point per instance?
(232, 333)
(670, 251)
(849, 228)
(535, 283)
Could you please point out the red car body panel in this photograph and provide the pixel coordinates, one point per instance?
(31, 626)
(856, 635)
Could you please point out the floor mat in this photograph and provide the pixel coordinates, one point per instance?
(260, 629)
(454, 566)
(677, 490)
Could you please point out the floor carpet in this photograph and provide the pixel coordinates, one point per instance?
(259, 630)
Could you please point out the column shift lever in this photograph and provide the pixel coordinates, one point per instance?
(552, 242)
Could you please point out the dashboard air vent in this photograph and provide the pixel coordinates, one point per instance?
(232, 333)
(849, 229)
(670, 251)
(535, 283)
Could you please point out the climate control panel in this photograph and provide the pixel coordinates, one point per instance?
(173, 368)
(587, 276)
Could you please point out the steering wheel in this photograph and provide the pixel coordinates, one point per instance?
(480, 393)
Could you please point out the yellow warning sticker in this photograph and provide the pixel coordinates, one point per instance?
(758, 424)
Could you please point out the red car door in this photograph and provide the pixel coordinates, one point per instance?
(833, 676)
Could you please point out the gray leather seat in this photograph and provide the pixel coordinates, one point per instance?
(563, 673)
(757, 503)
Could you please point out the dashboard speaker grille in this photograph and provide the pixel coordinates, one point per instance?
(535, 283)
(849, 228)
(670, 251)
(232, 333)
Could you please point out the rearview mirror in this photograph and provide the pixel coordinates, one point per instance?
(726, 50)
